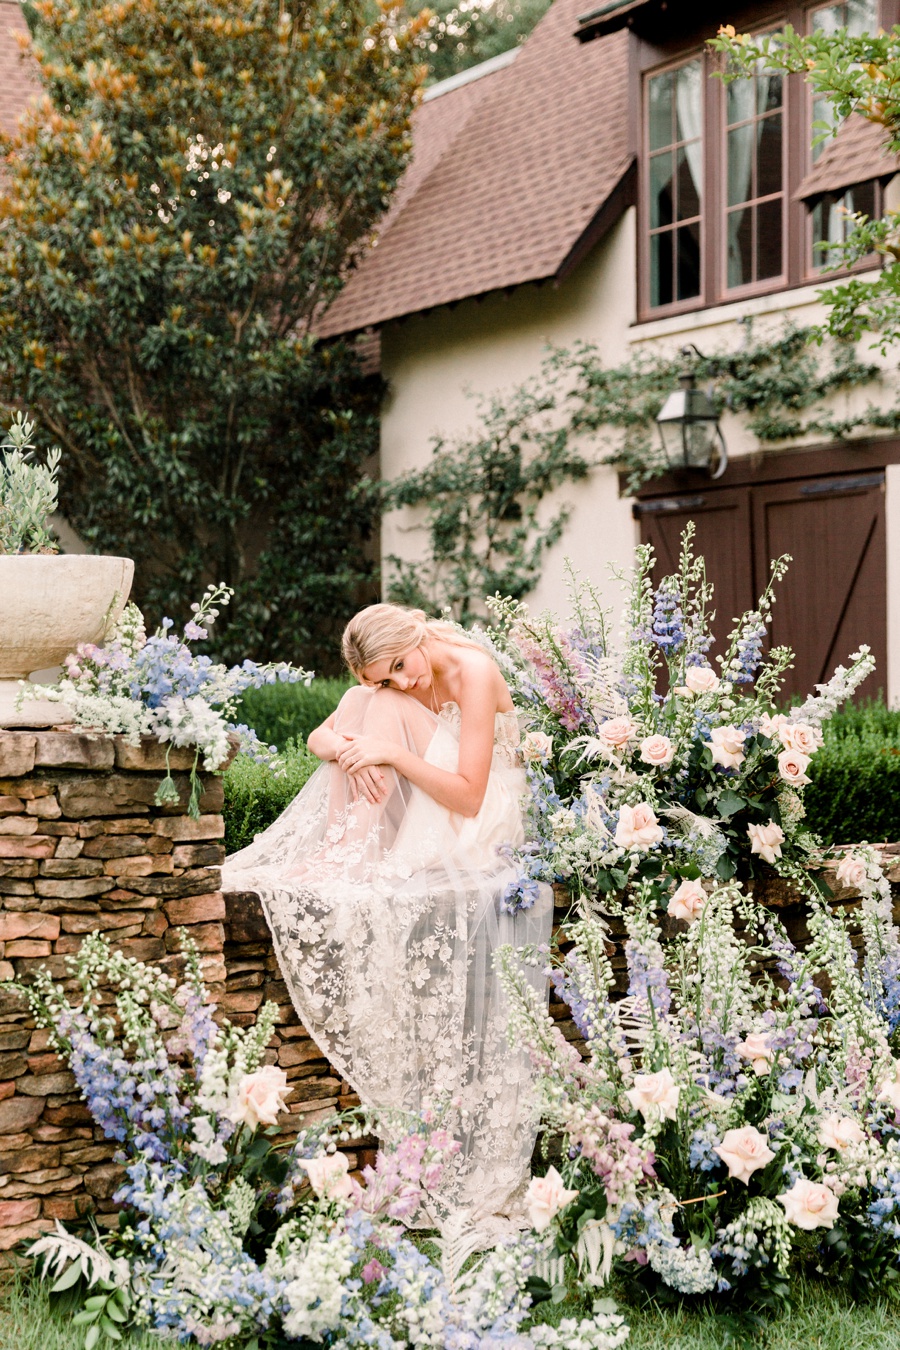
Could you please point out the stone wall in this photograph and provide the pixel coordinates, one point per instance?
(82, 848)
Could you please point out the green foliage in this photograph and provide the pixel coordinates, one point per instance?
(174, 214)
(28, 492)
(481, 493)
(855, 789)
(279, 713)
(254, 797)
(465, 34)
(855, 75)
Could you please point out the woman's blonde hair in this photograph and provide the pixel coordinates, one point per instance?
(384, 632)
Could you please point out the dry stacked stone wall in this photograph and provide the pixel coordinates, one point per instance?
(84, 848)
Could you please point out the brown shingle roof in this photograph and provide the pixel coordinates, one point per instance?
(856, 155)
(17, 83)
(528, 173)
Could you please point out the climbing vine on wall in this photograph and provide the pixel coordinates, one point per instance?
(480, 500)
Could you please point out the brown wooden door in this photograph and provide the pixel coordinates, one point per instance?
(834, 597)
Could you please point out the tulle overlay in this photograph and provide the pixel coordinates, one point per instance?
(385, 920)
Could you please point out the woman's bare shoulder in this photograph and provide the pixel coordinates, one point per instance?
(482, 677)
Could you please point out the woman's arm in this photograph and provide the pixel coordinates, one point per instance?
(463, 791)
(324, 742)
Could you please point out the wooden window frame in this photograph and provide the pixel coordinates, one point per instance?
(797, 269)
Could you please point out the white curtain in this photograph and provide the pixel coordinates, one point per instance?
(689, 106)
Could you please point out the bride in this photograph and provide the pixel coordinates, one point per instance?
(382, 884)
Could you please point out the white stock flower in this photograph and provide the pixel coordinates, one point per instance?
(687, 902)
(536, 747)
(563, 823)
(792, 766)
(655, 1095)
(727, 746)
(758, 1050)
(809, 1205)
(544, 1198)
(839, 1132)
(637, 827)
(766, 840)
(657, 750)
(889, 1090)
(744, 1151)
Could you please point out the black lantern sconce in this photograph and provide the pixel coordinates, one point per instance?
(689, 424)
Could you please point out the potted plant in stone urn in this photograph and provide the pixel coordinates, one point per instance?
(49, 601)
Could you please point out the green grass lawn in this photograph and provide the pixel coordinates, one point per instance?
(820, 1321)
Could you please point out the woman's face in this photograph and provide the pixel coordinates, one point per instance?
(409, 672)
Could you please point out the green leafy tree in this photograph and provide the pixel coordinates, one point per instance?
(856, 75)
(183, 201)
(464, 34)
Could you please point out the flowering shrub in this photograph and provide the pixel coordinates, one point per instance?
(227, 1234)
(730, 1117)
(157, 686)
(28, 491)
(648, 764)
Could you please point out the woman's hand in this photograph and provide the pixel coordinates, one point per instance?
(369, 784)
(364, 752)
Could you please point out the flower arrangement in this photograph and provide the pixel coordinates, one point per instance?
(731, 1120)
(137, 686)
(231, 1236)
(648, 764)
(28, 491)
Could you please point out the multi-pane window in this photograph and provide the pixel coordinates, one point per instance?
(755, 179)
(831, 222)
(858, 17)
(675, 182)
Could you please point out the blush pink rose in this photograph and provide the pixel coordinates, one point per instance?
(852, 871)
(617, 732)
(687, 902)
(637, 827)
(545, 1197)
(839, 1132)
(727, 746)
(657, 750)
(260, 1097)
(800, 736)
(744, 1152)
(766, 840)
(329, 1175)
(757, 1049)
(655, 1095)
(771, 726)
(701, 680)
(809, 1205)
(536, 747)
(792, 766)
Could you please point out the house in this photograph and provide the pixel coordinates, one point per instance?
(600, 184)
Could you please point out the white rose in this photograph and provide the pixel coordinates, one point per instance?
(771, 726)
(852, 871)
(260, 1097)
(766, 840)
(687, 902)
(757, 1049)
(329, 1175)
(727, 746)
(701, 679)
(792, 766)
(537, 747)
(800, 736)
(889, 1091)
(655, 1095)
(657, 750)
(809, 1205)
(744, 1152)
(617, 732)
(545, 1197)
(840, 1132)
(637, 827)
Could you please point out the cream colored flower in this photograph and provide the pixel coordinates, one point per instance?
(852, 871)
(809, 1205)
(637, 827)
(687, 902)
(766, 840)
(727, 746)
(657, 750)
(792, 766)
(701, 679)
(840, 1132)
(537, 747)
(800, 736)
(758, 1051)
(329, 1175)
(744, 1152)
(617, 732)
(260, 1097)
(889, 1090)
(771, 726)
(545, 1197)
(655, 1095)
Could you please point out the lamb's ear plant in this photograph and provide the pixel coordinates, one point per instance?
(29, 491)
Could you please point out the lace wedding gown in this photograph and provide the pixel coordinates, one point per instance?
(385, 919)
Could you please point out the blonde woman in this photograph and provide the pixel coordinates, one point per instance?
(383, 885)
